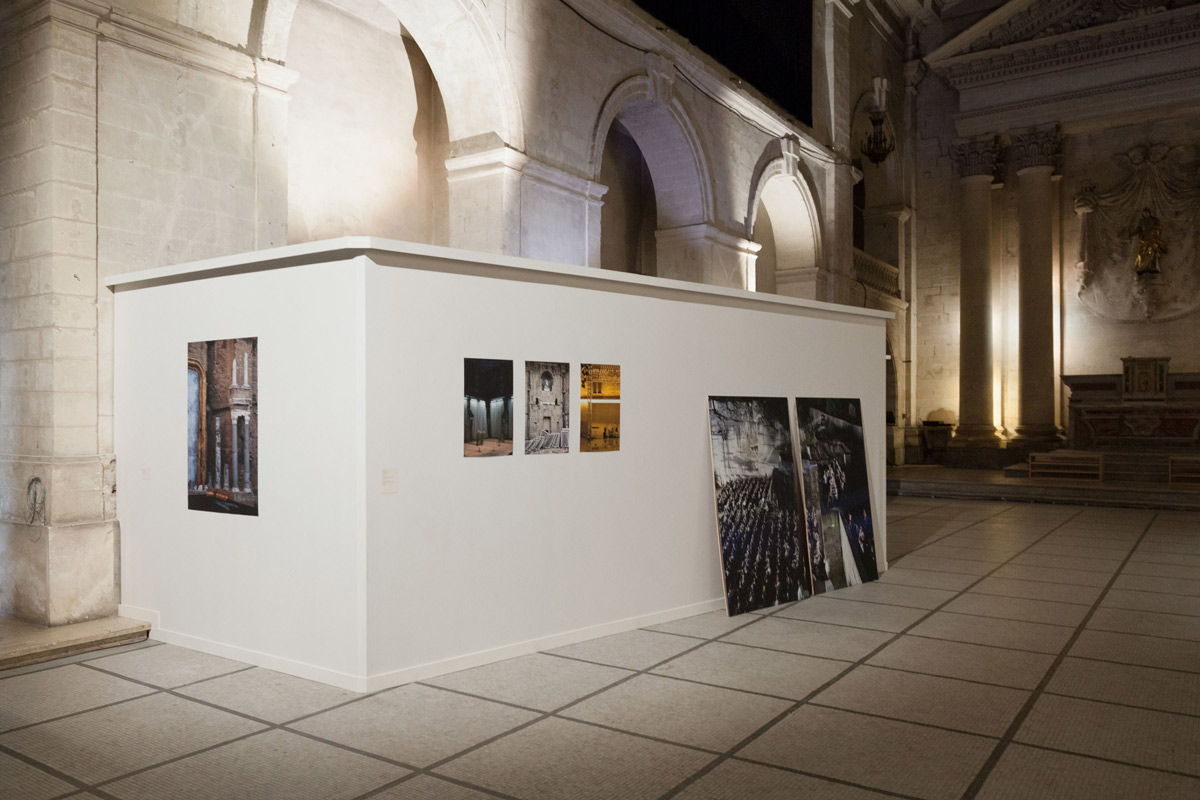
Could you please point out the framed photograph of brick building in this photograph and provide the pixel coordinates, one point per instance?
(222, 426)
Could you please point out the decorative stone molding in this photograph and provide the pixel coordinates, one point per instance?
(661, 72)
(1036, 147)
(977, 155)
(877, 274)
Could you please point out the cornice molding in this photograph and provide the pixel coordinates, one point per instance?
(1164, 31)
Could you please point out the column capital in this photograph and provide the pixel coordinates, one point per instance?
(1036, 147)
(977, 155)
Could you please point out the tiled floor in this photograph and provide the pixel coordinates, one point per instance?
(1020, 651)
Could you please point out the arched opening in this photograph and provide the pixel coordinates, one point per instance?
(784, 224)
(371, 161)
(629, 216)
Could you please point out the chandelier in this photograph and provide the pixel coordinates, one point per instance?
(877, 145)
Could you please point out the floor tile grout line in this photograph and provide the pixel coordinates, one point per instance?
(79, 659)
(33, 762)
(1152, 635)
(871, 715)
(1195, 672)
(1007, 619)
(1023, 714)
(787, 712)
(1038, 599)
(1106, 760)
(826, 778)
(1188, 714)
(61, 717)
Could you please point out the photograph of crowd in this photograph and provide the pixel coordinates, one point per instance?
(222, 426)
(600, 407)
(763, 559)
(547, 428)
(837, 499)
(487, 407)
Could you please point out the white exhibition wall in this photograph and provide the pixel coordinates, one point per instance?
(380, 554)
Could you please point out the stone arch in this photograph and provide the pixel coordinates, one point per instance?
(482, 106)
(647, 107)
(785, 192)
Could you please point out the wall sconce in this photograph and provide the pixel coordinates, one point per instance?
(878, 145)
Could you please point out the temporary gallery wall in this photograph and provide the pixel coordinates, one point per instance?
(379, 554)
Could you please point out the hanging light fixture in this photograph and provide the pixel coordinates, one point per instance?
(877, 145)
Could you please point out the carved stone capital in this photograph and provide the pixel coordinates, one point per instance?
(977, 155)
(1036, 147)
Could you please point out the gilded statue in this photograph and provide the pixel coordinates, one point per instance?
(1150, 244)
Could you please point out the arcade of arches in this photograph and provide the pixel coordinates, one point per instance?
(1002, 230)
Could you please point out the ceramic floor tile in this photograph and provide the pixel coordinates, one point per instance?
(268, 695)
(704, 626)
(827, 608)
(1038, 590)
(1019, 608)
(274, 765)
(983, 554)
(1029, 773)
(810, 638)
(679, 711)
(893, 594)
(1169, 626)
(1152, 546)
(103, 744)
(1175, 559)
(20, 781)
(557, 759)
(535, 681)
(926, 580)
(39, 696)
(1185, 571)
(167, 665)
(1152, 601)
(1108, 548)
(1147, 651)
(973, 662)
(1144, 687)
(1015, 634)
(945, 702)
(741, 780)
(1131, 735)
(1053, 548)
(1149, 583)
(754, 670)
(1105, 565)
(427, 787)
(1052, 575)
(960, 566)
(632, 650)
(414, 724)
(894, 756)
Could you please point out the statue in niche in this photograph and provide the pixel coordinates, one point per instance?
(1150, 244)
(1160, 192)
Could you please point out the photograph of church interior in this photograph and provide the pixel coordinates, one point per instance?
(978, 218)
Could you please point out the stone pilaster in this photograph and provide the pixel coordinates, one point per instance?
(57, 526)
(976, 163)
(485, 200)
(705, 254)
(1035, 154)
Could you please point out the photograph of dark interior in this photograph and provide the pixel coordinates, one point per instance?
(487, 407)
(763, 558)
(547, 421)
(222, 426)
(837, 498)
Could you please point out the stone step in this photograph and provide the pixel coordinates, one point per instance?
(22, 643)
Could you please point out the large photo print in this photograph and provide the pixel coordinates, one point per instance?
(837, 499)
(222, 426)
(763, 559)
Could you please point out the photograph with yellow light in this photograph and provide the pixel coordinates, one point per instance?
(600, 408)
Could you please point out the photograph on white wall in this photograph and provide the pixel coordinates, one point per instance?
(837, 498)
(599, 408)
(222, 426)
(763, 557)
(487, 407)
(547, 419)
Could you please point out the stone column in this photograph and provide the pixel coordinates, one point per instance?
(485, 198)
(976, 164)
(1034, 156)
(233, 424)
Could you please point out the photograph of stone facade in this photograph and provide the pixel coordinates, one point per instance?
(222, 426)
(763, 557)
(600, 407)
(837, 498)
(487, 407)
(547, 419)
